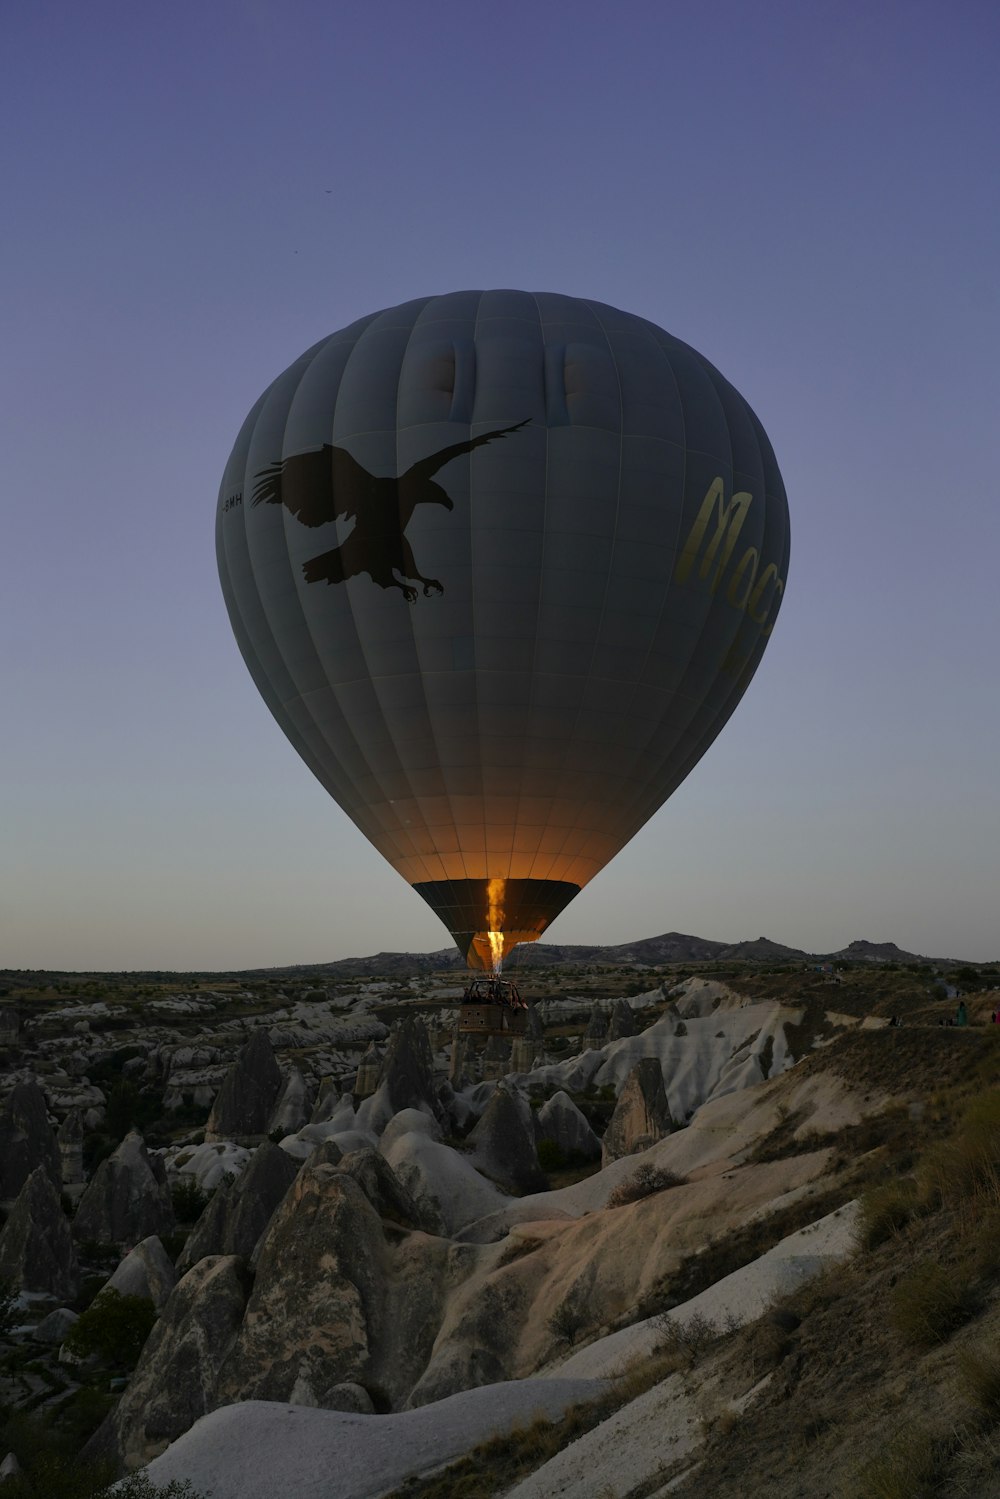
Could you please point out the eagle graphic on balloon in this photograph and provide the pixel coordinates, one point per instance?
(322, 485)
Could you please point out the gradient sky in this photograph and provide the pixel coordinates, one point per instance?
(193, 194)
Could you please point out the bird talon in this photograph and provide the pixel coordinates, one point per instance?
(432, 586)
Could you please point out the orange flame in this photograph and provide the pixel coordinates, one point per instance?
(495, 892)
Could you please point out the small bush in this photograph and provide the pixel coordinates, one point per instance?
(550, 1156)
(929, 1304)
(644, 1182)
(566, 1321)
(689, 1339)
(189, 1201)
(114, 1327)
(769, 1340)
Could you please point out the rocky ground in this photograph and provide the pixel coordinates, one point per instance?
(321, 1198)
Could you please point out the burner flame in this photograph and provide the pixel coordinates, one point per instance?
(495, 892)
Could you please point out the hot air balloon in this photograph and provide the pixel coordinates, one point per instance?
(501, 565)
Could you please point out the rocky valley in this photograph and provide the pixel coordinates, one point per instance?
(297, 1233)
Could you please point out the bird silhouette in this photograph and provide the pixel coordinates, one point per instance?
(320, 485)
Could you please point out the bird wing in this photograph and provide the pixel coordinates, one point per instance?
(426, 468)
(316, 486)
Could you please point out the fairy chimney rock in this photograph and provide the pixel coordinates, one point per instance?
(642, 1113)
(249, 1092)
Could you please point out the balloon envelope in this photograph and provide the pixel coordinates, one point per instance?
(501, 566)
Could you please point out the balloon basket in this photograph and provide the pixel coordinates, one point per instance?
(492, 1006)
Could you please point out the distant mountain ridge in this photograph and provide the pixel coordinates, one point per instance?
(652, 952)
(670, 947)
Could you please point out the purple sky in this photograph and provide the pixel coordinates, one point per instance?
(193, 194)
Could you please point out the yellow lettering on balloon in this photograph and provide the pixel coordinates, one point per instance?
(746, 591)
(769, 575)
(746, 565)
(728, 524)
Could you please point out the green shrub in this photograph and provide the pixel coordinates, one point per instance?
(930, 1302)
(114, 1327)
(189, 1201)
(550, 1157)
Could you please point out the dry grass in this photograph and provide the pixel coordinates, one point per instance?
(979, 1378)
(885, 1211)
(968, 1164)
(516, 1248)
(496, 1465)
(932, 1302)
(908, 1468)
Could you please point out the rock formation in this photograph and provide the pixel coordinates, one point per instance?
(70, 1142)
(622, 1021)
(366, 1080)
(146, 1271)
(26, 1139)
(36, 1246)
(317, 1301)
(406, 1079)
(381, 1186)
(56, 1326)
(408, 1068)
(596, 1033)
(561, 1121)
(642, 1113)
(327, 1100)
(504, 1141)
(10, 1028)
(292, 1109)
(462, 1067)
(249, 1092)
(239, 1212)
(495, 1061)
(174, 1381)
(127, 1198)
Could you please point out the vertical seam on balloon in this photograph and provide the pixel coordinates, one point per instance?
(403, 770)
(734, 695)
(653, 775)
(324, 778)
(365, 805)
(577, 825)
(533, 672)
(287, 519)
(421, 675)
(235, 607)
(475, 632)
(372, 678)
